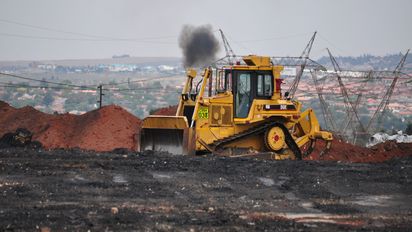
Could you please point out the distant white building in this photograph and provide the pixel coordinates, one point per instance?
(46, 66)
(122, 67)
(289, 71)
(165, 68)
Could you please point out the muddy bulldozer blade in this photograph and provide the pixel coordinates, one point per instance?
(308, 132)
(166, 133)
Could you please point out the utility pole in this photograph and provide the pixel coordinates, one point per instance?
(100, 101)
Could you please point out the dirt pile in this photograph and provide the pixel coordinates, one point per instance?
(101, 130)
(341, 151)
(171, 111)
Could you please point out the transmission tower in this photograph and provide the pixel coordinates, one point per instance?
(349, 105)
(305, 55)
(378, 115)
(327, 115)
(228, 49)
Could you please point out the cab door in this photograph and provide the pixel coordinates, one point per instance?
(243, 93)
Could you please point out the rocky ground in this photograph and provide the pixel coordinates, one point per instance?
(74, 190)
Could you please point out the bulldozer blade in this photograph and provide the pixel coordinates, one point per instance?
(326, 149)
(170, 140)
(167, 133)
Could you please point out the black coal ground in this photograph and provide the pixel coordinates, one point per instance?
(76, 190)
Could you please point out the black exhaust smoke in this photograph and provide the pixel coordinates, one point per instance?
(199, 45)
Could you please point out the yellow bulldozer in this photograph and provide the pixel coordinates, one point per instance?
(244, 110)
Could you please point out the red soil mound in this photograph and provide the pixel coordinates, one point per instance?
(171, 110)
(341, 151)
(101, 130)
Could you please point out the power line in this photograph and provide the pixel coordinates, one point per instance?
(82, 39)
(240, 45)
(276, 38)
(47, 28)
(16, 86)
(43, 81)
(91, 87)
(109, 38)
(330, 43)
(143, 89)
(83, 34)
(141, 80)
(12, 85)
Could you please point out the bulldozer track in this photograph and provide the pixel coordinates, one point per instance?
(260, 129)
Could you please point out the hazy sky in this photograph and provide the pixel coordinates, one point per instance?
(70, 29)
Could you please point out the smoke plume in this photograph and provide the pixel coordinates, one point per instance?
(199, 45)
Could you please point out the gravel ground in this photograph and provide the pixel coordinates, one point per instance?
(75, 190)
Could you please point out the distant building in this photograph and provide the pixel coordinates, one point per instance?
(123, 67)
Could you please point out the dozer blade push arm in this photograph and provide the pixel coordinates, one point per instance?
(191, 74)
(207, 73)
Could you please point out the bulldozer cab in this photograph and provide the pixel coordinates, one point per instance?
(247, 86)
(256, 79)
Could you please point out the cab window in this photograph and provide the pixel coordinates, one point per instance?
(264, 85)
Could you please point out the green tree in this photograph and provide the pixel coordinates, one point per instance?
(156, 85)
(80, 102)
(8, 94)
(48, 99)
